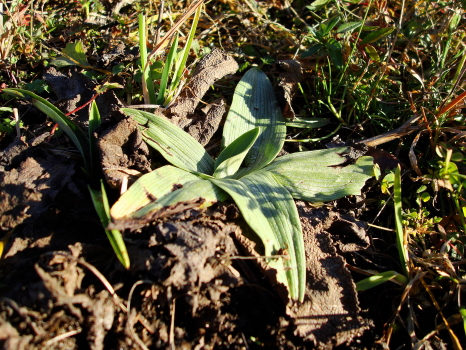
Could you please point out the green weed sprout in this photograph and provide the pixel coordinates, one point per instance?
(174, 64)
(86, 144)
(246, 171)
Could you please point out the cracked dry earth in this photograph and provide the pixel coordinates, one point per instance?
(196, 280)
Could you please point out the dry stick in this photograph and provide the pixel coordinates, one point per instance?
(459, 133)
(97, 273)
(452, 104)
(159, 23)
(61, 337)
(134, 335)
(17, 126)
(168, 36)
(172, 325)
(141, 318)
(144, 106)
(460, 78)
(172, 31)
(112, 291)
(403, 130)
(410, 325)
(412, 155)
(109, 287)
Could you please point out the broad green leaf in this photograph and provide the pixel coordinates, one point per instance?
(149, 188)
(376, 35)
(77, 136)
(254, 105)
(349, 27)
(455, 20)
(229, 161)
(329, 25)
(372, 52)
(193, 190)
(317, 5)
(175, 145)
(335, 51)
(99, 198)
(270, 211)
(387, 182)
(312, 50)
(317, 176)
(100, 89)
(73, 54)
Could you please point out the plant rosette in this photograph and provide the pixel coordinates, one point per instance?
(248, 172)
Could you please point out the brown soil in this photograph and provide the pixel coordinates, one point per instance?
(195, 280)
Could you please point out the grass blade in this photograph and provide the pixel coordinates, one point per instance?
(400, 233)
(307, 123)
(376, 35)
(176, 27)
(166, 71)
(463, 316)
(99, 198)
(175, 145)
(94, 123)
(375, 280)
(147, 83)
(184, 54)
(254, 105)
(76, 135)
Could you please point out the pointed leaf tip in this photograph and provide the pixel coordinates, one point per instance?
(229, 161)
(254, 105)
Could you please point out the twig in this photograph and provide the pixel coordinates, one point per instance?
(61, 337)
(403, 130)
(97, 273)
(159, 23)
(172, 325)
